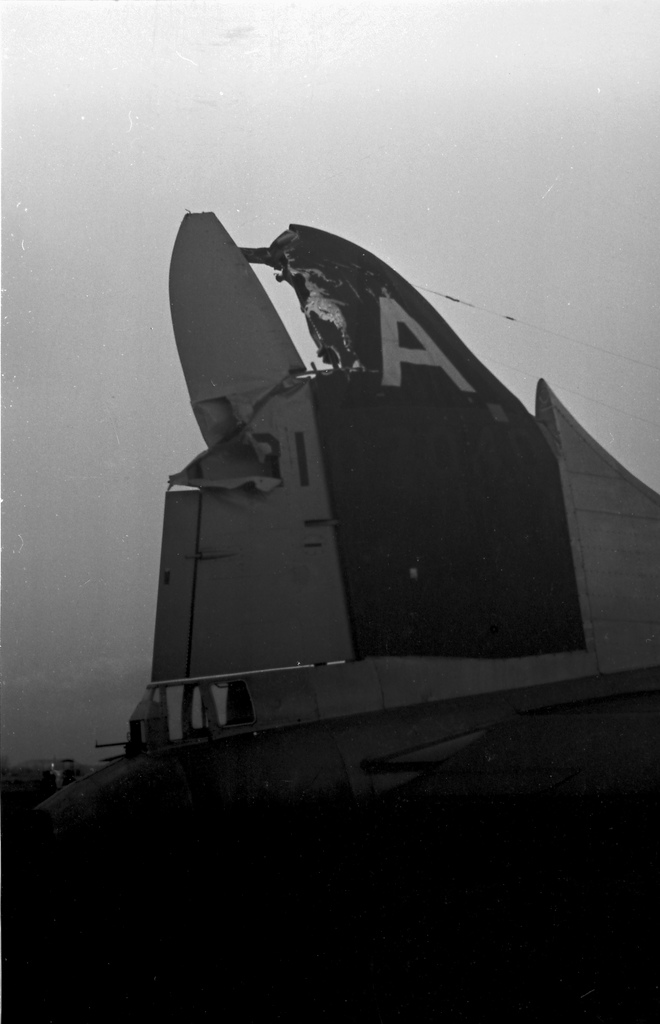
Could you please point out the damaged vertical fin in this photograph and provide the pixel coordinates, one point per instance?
(453, 532)
(362, 315)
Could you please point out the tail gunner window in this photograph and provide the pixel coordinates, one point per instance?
(208, 707)
(232, 703)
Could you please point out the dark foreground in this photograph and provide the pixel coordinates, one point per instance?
(453, 909)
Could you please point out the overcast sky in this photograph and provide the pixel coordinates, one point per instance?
(504, 153)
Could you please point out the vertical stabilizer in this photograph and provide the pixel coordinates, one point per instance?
(452, 530)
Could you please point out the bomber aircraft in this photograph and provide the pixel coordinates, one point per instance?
(378, 575)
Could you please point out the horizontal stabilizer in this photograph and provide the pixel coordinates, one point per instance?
(614, 525)
(421, 758)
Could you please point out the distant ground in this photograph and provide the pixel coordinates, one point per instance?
(449, 909)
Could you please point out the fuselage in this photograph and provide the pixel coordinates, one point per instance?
(203, 747)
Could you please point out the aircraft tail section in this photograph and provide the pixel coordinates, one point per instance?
(402, 505)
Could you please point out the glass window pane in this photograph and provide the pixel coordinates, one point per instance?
(233, 703)
(219, 694)
(174, 701)
(198, 719)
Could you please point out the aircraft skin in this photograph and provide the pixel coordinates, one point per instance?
(467, 596)
(531, 741)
